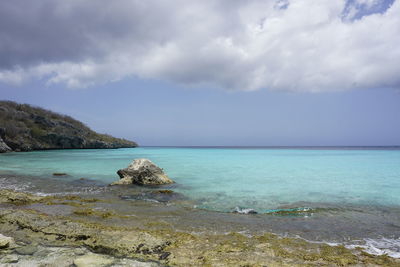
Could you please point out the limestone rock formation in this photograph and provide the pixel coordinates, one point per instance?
(3, 146)
(6, 241)
(142, 172)
(93, 260)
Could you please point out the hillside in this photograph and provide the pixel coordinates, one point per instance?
(25, 128)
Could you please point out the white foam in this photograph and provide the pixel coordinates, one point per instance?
(151, 200)
(6, 183)
(382, 246)
(244, 211)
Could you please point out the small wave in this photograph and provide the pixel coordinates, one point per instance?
(139, 198)
(382, 246)
(378, 247)
(151, 200)
(244, 211)
(302, 211)
(6, 183)
(290, 211)
(82, 191)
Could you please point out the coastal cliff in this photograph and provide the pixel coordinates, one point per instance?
(25, 128)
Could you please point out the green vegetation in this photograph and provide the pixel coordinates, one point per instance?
(24, 128)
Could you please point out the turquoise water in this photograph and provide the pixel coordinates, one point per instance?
(225, 178)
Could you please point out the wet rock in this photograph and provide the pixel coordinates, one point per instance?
(93, 260)
(27, 250)
(167, 192)
(12, 258)
(5, 241)
(142, 172)
(166, 196)
(60, 174)
(19, 198)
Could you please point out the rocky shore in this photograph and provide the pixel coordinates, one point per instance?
(84, 229)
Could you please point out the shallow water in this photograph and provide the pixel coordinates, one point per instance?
(221, 179)
(348, 195)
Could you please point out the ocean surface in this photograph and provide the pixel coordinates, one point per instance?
(363, 182)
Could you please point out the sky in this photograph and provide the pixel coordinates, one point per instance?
(212, 72)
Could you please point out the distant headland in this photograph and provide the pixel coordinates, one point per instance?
(26, 128)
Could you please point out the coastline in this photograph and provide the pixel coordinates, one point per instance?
(167, 233)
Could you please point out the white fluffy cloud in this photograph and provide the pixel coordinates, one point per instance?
(292, 45)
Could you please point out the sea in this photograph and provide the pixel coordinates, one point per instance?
(337, 195)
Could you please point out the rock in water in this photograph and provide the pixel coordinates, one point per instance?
(142, 172)
(60, 174)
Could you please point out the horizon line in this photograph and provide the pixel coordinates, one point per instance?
(262, 146)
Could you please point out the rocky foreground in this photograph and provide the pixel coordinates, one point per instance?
(25, 128)
(64, 230)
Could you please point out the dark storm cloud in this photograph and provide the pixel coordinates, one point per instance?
(297, 45)
(32, 32)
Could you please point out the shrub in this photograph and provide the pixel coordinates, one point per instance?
(36, 132)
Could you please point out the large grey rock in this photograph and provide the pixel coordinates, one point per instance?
(6, 241)
(142, 172)
(27, 250)
(3, 146)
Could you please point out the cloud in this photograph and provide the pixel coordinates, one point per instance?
(291, 45)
